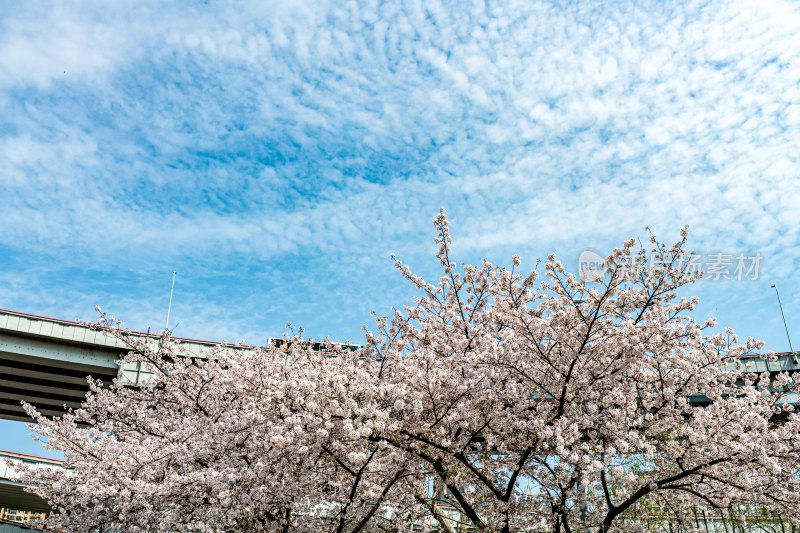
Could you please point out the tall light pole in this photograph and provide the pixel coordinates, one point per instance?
(784, 319)
(169, 308)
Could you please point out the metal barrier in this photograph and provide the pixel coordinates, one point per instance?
(20, 517)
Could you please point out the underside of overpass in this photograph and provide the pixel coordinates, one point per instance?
(46, 363)
(50, 389)
(14, 496)
(12, 491)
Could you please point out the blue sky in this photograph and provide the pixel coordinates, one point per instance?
(276, 154)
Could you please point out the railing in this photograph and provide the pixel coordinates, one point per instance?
(20, 517)
(9, 460)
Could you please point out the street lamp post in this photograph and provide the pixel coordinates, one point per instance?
(778, 294)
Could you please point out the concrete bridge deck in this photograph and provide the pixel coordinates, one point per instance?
(12, 493)
(45, 362)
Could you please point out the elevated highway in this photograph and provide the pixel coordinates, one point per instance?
(45, 362)
(12, 493)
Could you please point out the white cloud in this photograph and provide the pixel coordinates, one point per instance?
(295, 130)
(56, 46)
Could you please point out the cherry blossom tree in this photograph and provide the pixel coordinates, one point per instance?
(561, 404)
(567, 404)
(237, 441)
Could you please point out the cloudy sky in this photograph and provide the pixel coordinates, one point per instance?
(275, 154)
